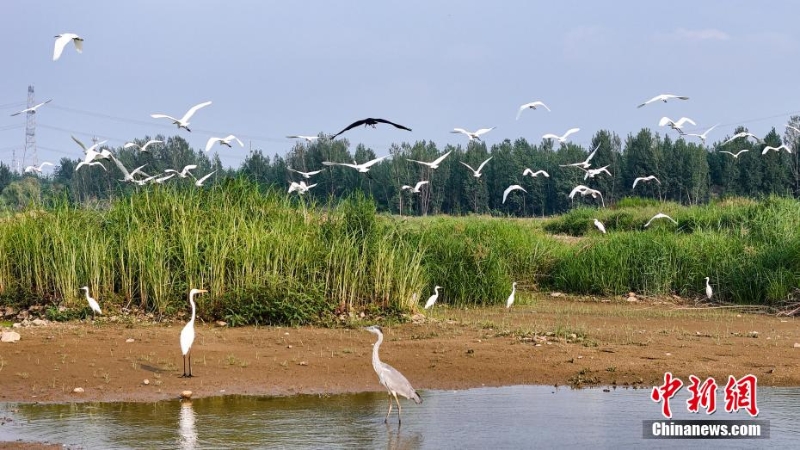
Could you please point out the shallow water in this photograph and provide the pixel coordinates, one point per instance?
(506, 417)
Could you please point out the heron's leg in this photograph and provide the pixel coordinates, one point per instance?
(386, 420)
(184, 366)
(399, 409)
(190, 364)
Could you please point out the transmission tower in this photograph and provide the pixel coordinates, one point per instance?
(30, 131)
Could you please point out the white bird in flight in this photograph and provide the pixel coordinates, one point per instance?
(306, 175)
(301, 187)
(591, 173)
(363, 168)
(743, 134)
(777, 149)
(584, 191)
(62, 40)
(735, 155)
(183, 173)
(513, 187)
(90, 149)
(660, 216)
(432, 299)
(531, 105)
(37, 169)
(200, 181)
(32, 109)
(183, 122)
(142, 148)
(473, 136)
(92, 302)
(434, 164)
(643, 179)
(535, 174)
(664, 98)
(510, 300)
(163, 179)
(415, 189)
(223, 141)
(675, 125)
(562, 138)
(600, 226)
(583, 164)
(703, 136)
(793, 128)
(305, 138)
(477, 173)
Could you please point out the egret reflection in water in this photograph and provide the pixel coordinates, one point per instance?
(188, 430)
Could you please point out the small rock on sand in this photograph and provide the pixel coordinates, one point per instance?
(39, 322)
(186, 395)
(9, 336)
(129, 340)
(146, 382)
(78, 390)
(797, 345)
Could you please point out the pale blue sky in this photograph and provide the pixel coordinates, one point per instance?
(301, 67)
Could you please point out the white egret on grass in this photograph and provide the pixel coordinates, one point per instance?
(415, 189)
(200, 181)
(531, 105)
(562, 138)
(391, 378)
(183, 122)
(643, 179)
(187, 334)
(703, 136)
(142, 148)
(735, 155)
(585, 163)
(226, 141)
(709, 291)
(535, 174)
(664, 98)
(660, 216)
(675, 125)
(513, 187)
(39, 168)
(510, 300)
(777, 149)
(432, 299)
(62, 40)
(600, 226)
(477, 172)
(435, 163)
(473, 135)
(306, 175)
(363, 168)
(92, 302)
(32, 109)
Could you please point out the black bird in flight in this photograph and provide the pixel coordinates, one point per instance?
(371, 122)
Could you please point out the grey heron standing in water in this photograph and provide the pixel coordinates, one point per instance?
(390, 378)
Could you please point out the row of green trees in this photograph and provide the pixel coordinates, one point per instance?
(689, 172)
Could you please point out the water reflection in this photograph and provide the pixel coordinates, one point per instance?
(188, 429)
(399, 439)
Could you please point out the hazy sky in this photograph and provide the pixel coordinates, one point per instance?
(303, 67)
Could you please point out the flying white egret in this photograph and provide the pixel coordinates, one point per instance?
(735, 155)
(643, 179)
(363, 168)
(308, 139)
(32, 109)
(144, 181)
(435, 163)
(477, 173)
(183, 122)
(163, 179)
(513, 187)
(92, 302)
(793, 128)
(432, 299)
(223, 141)
(709, 291)
(37, 169)
(562, 138)
(142, 148)
(510, 300)
(531, 105)
(473, 135)
(301, 187)
(535, 174)
(743, 134)
(187, 334)
(200, 181)
(660, 216)
(183, 173)
(703, 136)
(129, 176)
(591, 173)
(415, 189)
(675, 125)
(600, 226)
(583, 164)
(664, 98)
(91, 163)
(306, 175)
(777, 149)
(62, 40)
(584, 191)
(90, 149)
(391, 378)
